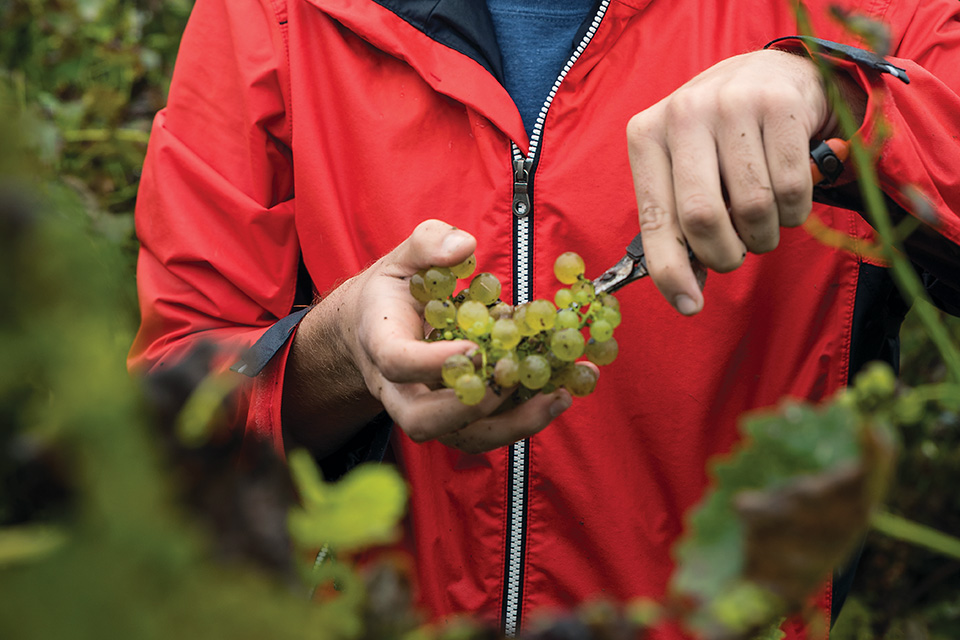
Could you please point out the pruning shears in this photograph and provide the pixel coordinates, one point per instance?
(826, 165)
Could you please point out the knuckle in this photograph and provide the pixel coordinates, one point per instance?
(698, 214)
(428, 226)
(776, 98)
(733, 100)
(792, 190)
(653, 217)
(390, 368)
(686, 104)
(640, 131)
(755, 208)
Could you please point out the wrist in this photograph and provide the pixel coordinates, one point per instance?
(325, 397)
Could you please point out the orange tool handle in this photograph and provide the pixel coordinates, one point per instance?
(827, 158)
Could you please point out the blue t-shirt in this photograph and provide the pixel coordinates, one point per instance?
(536, 39)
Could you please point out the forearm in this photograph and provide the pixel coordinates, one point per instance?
(325, 399)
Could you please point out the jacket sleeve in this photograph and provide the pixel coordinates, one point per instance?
(215, 213)
(914, 128)
(923, 149)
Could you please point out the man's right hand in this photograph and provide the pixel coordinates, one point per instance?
(361, 350)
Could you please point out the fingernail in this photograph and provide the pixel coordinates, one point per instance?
(561, 404)
(453, 242)
(685, 304)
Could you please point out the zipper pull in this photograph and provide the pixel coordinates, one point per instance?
(521, 178)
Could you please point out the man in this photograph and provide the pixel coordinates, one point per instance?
(352, 143)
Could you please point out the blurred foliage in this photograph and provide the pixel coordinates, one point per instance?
(902, 591)
(111, 527)
(97, 536)
(784, 509)
(89, 76)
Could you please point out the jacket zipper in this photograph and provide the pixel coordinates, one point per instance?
(523, 291)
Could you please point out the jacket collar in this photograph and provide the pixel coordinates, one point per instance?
(462, 25)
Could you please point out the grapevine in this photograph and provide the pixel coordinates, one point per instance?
(531, 347)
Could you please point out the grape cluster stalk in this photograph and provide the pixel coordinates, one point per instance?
(530, 348)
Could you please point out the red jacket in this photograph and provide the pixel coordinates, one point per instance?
(330, 128)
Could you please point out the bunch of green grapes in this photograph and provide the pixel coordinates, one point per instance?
(534, 346)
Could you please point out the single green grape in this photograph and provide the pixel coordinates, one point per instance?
(440, 313)
(600, 330)
(480, 328)
(501, 310)
(472, 313)
(602, 353)
(455, 366)
(583, 292)
(610, 315)
(505, 334)
(567, 319)
(520, 317)
(559, 376)
(484, 288)
(581, 380)
(506, 372)
(470, 388)
(554, 361)
(541, 315)
(563, 298)
(417, 289)
(609, 301)
(567, 344)
(439, 282)
(568, 267)
(466, 268)
(534, 371)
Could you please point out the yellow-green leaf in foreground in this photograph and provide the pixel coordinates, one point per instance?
(29, 542)
(360, 510)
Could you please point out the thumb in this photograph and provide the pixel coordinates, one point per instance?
(434, 243)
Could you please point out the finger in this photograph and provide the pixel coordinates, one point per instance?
(663, 242)
(701, 209)
(787, 147)
(401, 356)
(426, 414)
(753, 208)
(520, 422)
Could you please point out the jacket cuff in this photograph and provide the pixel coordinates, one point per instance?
(259, 355)
(265, 362)
(836, 52)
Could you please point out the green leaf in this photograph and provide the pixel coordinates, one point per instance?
(784, 508)
(361, 510)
